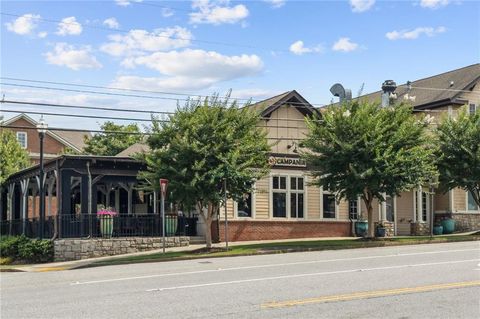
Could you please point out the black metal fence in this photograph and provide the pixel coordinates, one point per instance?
(93, 226)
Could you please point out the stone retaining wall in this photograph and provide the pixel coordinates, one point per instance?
(389, 228)
(75, 249)
(419, 229)
(466, 221)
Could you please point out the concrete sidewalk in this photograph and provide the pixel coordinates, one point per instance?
(67, 265)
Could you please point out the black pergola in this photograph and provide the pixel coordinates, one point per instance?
(76, 186)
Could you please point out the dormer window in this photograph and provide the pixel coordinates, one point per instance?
(22, 139)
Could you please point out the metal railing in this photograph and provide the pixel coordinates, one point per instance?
(93, 226)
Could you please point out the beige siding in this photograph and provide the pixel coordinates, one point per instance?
(375, 208)
(262, 202)
(441, 202)
(343, 210)
(313, 202)
(404, 212)
(459, 200)
(230, 210)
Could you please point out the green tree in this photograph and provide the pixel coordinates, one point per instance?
(12, 156)
(108, 143)
(202, 145)
(363, 149)
(459, 153)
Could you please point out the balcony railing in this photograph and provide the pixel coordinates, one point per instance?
(91, 226)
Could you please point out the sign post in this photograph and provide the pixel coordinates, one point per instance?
(163, 194)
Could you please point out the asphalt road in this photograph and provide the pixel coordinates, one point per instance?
(424, 281)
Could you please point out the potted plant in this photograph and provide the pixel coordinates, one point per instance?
(448, 224)
(361, 226)
(106, 221)
(437, 228)
(381, 230)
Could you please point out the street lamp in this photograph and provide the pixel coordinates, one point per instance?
(42, 129)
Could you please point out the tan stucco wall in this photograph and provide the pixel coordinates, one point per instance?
(404, 212)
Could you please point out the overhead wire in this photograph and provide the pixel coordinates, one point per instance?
(97, 108)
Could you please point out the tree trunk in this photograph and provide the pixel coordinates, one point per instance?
(207, 220)
(371, 230)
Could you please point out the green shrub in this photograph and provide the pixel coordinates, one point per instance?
(21, 248)
(5, 260)
(36, 251)
(9, 246)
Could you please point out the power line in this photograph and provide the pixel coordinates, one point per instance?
(113, 132)
(9, 14)
(118, 118)
(134, 95)
(98, 108)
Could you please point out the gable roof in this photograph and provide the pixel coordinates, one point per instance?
(437, 90)
(134, 149)
(72, 139)
(292, 98)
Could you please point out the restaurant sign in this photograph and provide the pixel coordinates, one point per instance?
(286, 161)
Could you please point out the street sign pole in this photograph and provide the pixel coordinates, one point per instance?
(163, 193)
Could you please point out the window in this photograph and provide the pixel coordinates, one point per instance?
(471, 205)
(353, 209)
(296, 197)
(22, 139)
(279, 188)
(328, 205)
(425, 205)
(472, 109)
(244, 206)
(390, 209)
(288, 196)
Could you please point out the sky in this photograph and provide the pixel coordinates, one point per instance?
(257, 49)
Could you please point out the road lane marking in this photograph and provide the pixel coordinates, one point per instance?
(221, 283)
(369, 294)
(265, 266)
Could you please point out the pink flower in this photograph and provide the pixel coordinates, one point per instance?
(105, 212)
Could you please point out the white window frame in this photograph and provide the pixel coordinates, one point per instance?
(428, 208)
(296, 191)
(475, 108)
(359, 207)
(323, 192)
(26, 139)
(466, 206)
(235, 206)
(288, 191)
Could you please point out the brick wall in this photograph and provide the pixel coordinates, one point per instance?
(268, 230)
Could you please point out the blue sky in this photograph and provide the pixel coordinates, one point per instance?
(256, 48)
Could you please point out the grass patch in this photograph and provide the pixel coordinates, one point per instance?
(284, 247)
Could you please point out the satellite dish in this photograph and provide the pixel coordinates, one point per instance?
(339, 91)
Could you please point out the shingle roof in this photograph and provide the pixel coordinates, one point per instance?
(266, 107)
(437, 90)
(75, 138)
(134, 149)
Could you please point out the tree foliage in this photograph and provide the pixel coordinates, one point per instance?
(110, 144)
(12, 156)
(362, 149)
(459, 153)
(203, 144)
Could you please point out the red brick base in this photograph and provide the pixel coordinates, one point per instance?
(242, 230)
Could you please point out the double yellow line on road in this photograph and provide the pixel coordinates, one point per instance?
(369, 294)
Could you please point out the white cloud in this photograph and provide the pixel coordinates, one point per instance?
(73, 58)
(125, 3)
(69, 26)
(361, 5)
(434, 4)
(42, 34)
(217, 12)
(253, 93)
(167, 12)
(138, 41)
(345, 45)
(189, 69)
(202, 64)
(112, 23)
(276, 3)
(298, 48)
(414, 34)
(23, 25)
